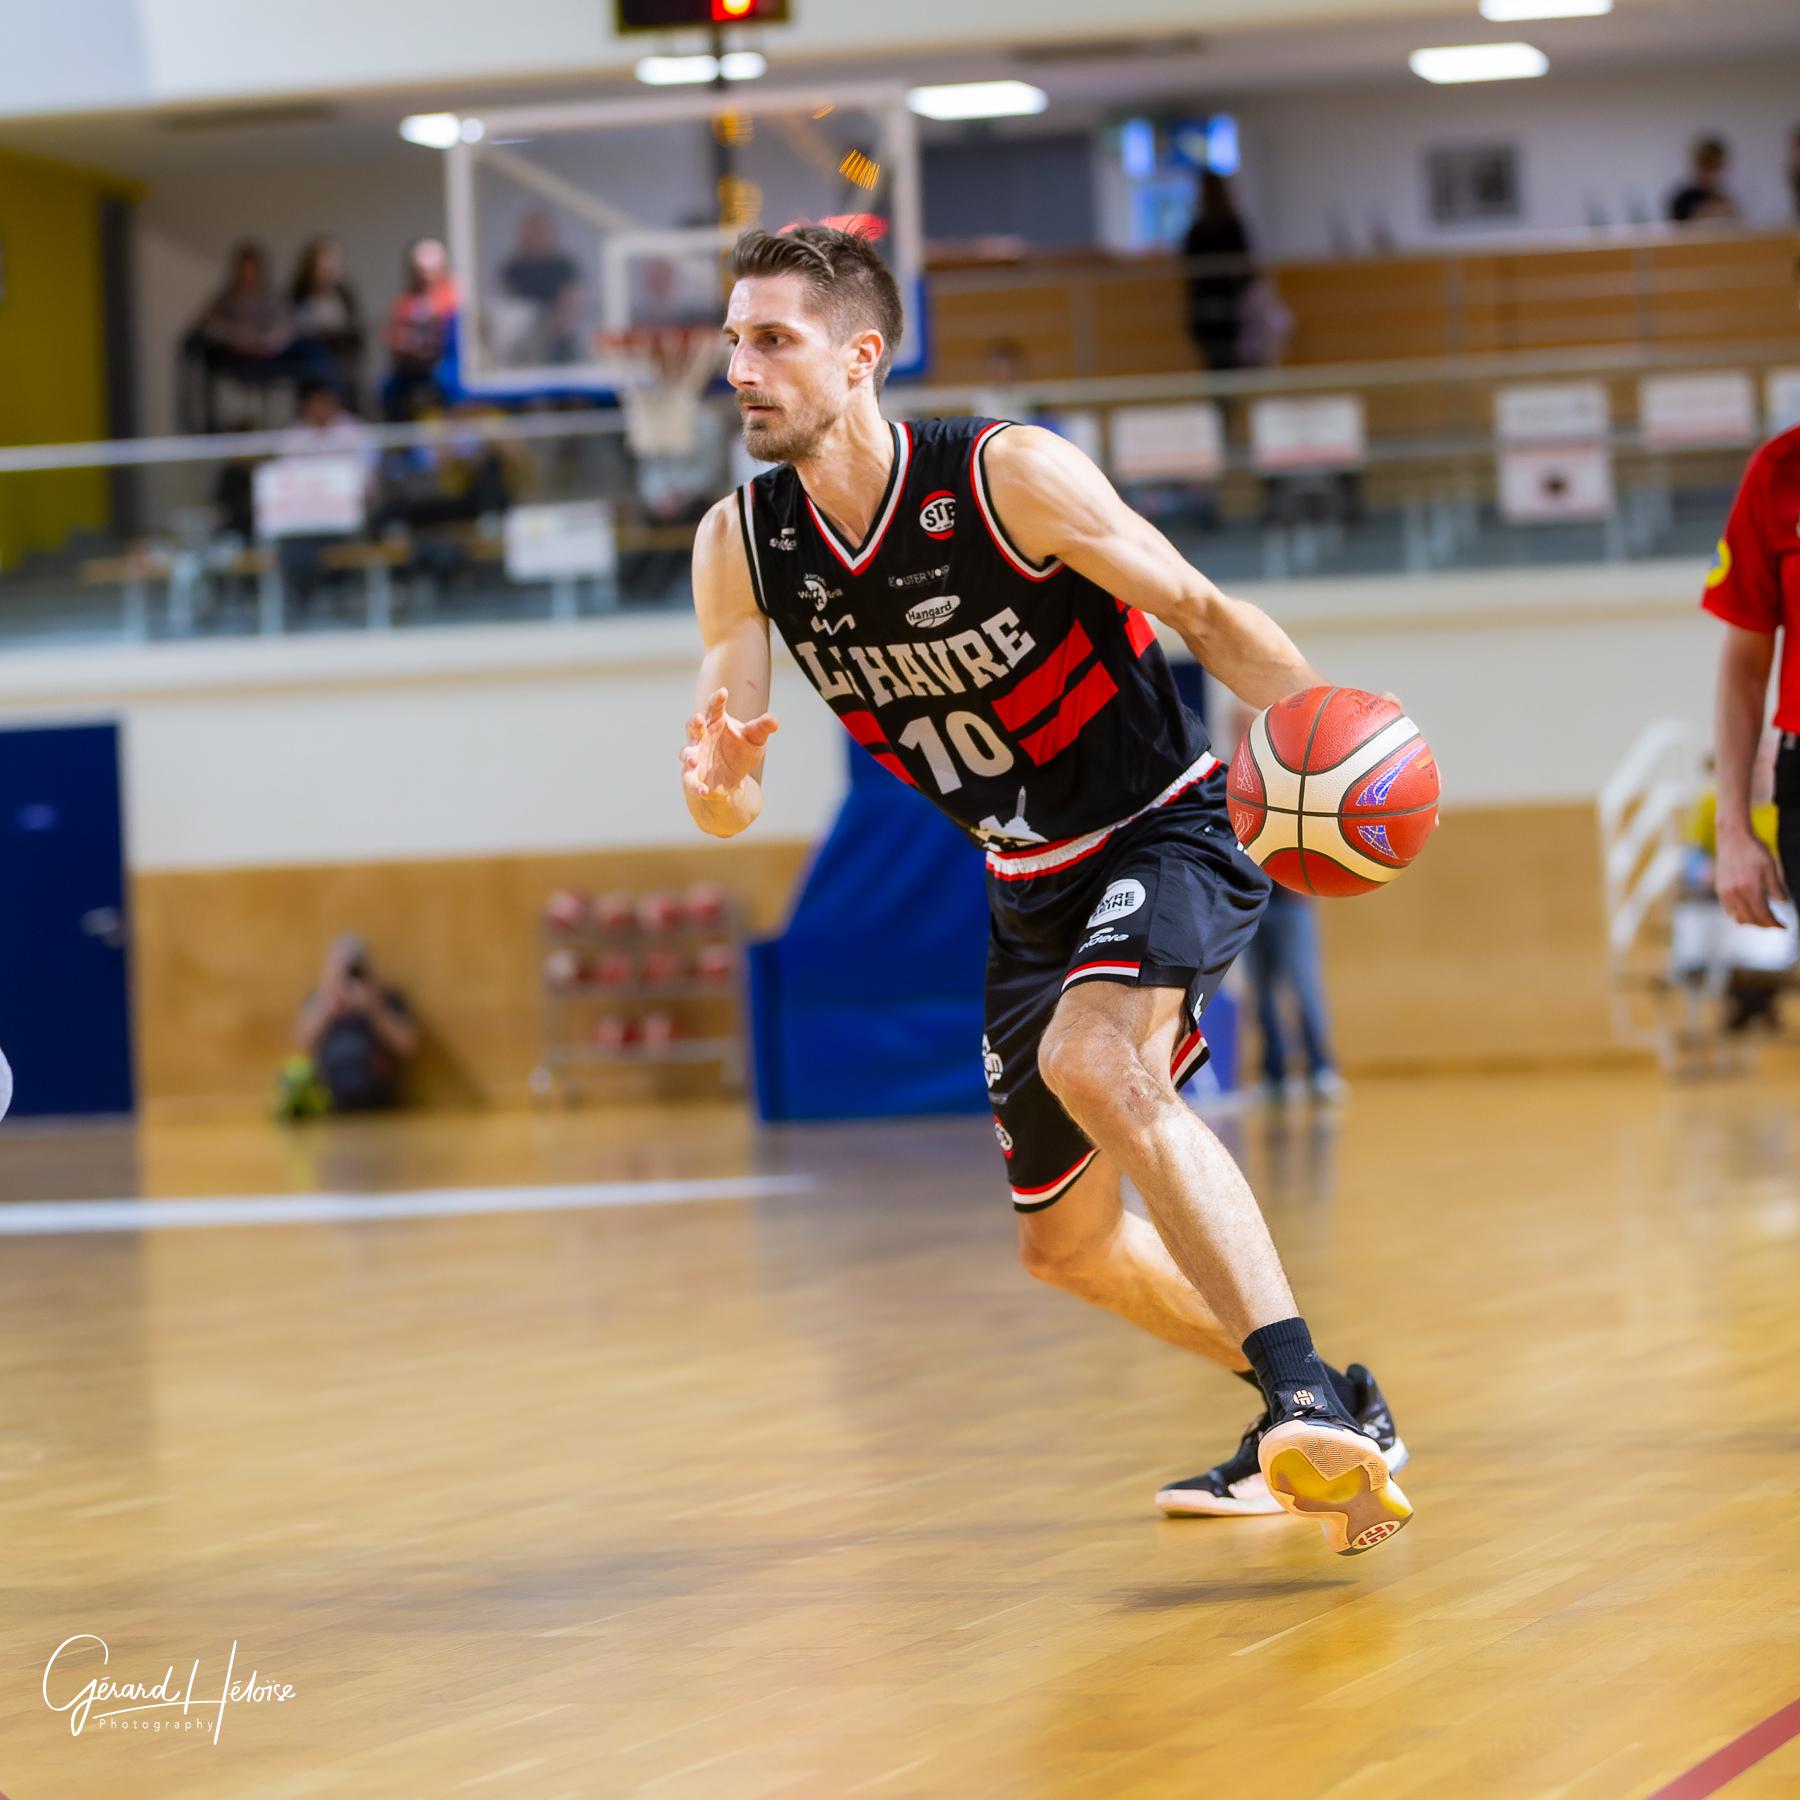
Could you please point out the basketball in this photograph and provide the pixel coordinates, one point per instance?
(1333, 791)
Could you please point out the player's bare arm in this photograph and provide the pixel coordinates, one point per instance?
(1747, 875)
(1056, 503)
(722, 760)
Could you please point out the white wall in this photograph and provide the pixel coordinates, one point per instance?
(487, 740)
(1320, 164)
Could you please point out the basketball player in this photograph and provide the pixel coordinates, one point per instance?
(965, 595)
(1754, 588)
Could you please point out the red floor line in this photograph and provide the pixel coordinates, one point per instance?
(1740, 1754)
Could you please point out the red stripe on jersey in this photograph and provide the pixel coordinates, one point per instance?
(1044, 684)
(1082, 701)
(1139, 632)
(866, 729)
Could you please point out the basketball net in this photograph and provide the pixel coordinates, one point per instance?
(660, 373)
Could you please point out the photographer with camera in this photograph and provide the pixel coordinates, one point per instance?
(354, 1037)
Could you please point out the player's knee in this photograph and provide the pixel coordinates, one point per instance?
(1097, 1073)
(1071, 1059)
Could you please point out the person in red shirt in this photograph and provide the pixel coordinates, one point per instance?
(1754, 587)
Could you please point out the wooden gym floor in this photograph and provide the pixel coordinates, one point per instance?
(817, 1495)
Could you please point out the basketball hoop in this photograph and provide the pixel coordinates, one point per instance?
(660, 373)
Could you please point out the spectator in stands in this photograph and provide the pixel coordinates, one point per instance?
(355, 1034)
(1703, 198)
(327, 426)
(418, 330)
(1218, 237)
(245, 333)
(324, 428)
(324, 313)
(541, 274)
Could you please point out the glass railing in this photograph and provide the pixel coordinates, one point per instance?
(1561, 458)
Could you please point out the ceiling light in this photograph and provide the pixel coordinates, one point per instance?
(978, 100)
(1508, 12)
(1478, 62)
(436, 131)
(683, 71)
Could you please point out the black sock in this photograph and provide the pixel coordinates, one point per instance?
(1283, 1359)
(1341, 1385)
(1344, 1388)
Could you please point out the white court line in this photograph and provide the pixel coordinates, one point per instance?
(43, 1218)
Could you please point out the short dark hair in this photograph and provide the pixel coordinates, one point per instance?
(1711, 149)
(843, 272)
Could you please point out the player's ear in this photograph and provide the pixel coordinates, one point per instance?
(863, 356)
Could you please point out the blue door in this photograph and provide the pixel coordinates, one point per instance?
(65, 1016)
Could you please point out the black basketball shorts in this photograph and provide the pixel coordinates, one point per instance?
(1165, 898)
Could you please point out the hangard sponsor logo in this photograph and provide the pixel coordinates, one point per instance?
(932, 612)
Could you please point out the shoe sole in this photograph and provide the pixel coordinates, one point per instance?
(1339, 1479)
(1197, 1503)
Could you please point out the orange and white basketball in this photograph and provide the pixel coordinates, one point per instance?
(1333, 791)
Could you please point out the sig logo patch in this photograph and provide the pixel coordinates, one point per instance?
(932, 612)
(937, 517)
(1121, 898)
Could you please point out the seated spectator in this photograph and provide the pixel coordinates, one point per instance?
(324, 313)
(354, 1034)
(245, 333)
(1703, 198)
(541, 276)
(418, 331)
(324, 428)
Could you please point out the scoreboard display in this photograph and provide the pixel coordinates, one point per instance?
(679, 15)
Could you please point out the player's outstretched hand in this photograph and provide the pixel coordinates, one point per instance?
(720, 750)
(1748, 878)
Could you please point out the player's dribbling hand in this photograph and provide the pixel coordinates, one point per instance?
(1748, 878)
(720, 750)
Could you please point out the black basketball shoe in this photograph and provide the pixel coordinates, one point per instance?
(1236, 1488)
(1320, 1465)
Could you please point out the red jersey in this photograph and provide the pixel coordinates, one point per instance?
(1755, 583)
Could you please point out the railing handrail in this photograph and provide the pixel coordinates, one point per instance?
(1081, 391)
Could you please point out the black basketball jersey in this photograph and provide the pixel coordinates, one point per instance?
(1023, 699)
